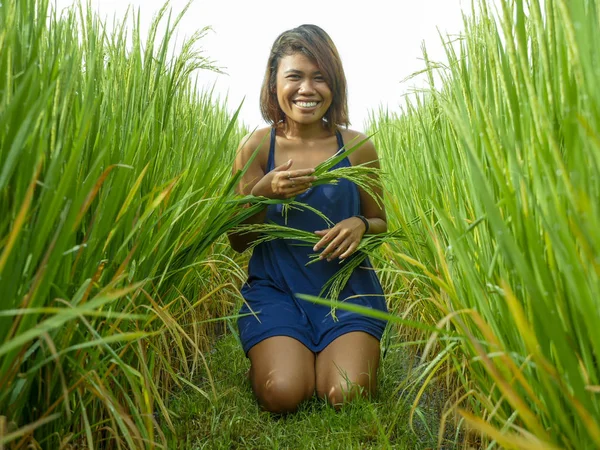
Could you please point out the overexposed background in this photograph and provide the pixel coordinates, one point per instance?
(379, 42)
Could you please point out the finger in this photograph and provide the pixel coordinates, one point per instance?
(303, 179)
(299, 188)
(283, 178)
(323, 241)
(320, 244)
(341, 248)
(291, 187)
(332, 247)
(294, 191)
(301, 172)
(351, 249)
(280, 184)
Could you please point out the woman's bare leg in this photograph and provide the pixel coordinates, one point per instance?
(347, 367)
(282, 373)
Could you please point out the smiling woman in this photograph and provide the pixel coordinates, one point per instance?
(305, 67)
(302, 92)
(297, 348)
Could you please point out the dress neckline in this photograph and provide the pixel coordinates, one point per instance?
(271, 160)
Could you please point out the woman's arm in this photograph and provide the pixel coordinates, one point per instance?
(256, 141)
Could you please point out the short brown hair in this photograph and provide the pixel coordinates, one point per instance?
(313, 42)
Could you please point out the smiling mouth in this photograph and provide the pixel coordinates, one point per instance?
(306, 104)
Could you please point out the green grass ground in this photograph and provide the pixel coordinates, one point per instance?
(234, 420)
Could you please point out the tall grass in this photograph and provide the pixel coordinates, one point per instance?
(113, 170)
(497, 188)
(115, 191)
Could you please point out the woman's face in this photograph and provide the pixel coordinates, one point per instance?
(302, 92)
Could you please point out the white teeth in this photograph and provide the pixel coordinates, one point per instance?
(306, 104)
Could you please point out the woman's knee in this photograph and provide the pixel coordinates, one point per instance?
(344, 390)
(281, 394)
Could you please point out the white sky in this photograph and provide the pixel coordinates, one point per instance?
(379, 42)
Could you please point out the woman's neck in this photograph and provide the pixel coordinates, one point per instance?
(300, 131)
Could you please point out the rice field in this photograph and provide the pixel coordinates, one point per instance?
(116, 193)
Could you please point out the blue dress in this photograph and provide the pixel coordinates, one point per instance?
(277, 271)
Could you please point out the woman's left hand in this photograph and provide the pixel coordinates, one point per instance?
(342, 240)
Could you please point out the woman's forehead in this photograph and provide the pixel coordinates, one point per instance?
(297, 62)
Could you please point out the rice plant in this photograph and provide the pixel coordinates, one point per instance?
(115, 192)
(498, 187)
(112, 163)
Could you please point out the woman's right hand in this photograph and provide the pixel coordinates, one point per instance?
(283, 183)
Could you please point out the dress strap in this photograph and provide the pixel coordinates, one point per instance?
(340, 141)
(271, 160)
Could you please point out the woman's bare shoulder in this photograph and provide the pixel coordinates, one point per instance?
(366, 153)
(255, 139)
(250, 143)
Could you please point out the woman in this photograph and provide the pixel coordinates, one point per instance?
(296, 347)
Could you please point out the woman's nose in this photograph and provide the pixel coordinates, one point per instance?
(307, 86)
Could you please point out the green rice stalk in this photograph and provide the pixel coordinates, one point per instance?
(500, 168)
(108, 154)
